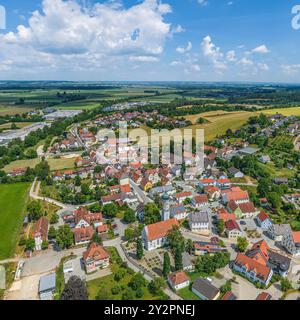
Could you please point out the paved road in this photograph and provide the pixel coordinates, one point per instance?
(140, 193)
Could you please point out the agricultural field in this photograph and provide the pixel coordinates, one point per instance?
(295, 111)
(13, 198)
(31, 163)
(219, 122)
(20, 125)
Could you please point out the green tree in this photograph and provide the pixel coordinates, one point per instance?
(51, 233)
(77, 181)
(178, 259)
(139, 249)
(42, 170)
(45, 245)
(64, 237)
(285, 285)
(85, 190)
(129, 216)
(110, 210)
(151, 213)
(166, 265)
(137, 281)
(54, 218)
(221, 226)
(176, 239)
(155, 286)
(30, 244)
(34, 209)
(242, 244)
(189, 246)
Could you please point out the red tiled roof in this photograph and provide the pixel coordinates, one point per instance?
(207, 181)
(183, 194)
(160, 229)
(232, 225)
(296, 236)
(247, 207)
(178, 277)
(260, 270)
(95, 252)
(264, 296)
(201, 198)
(102, 228)
(224, 215)
(126, 188)
(263, 216)
(237, 195)
(41, 228)
(83, 234)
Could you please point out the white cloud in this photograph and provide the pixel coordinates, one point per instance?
(202, 2)
(261, 49)
(214, 54)
(186, 49)
(230, 56)
(65, 35)
(263, 66)
(245, 62)
(230, 3)
(178, 29)
(175, 63)
(291, 69)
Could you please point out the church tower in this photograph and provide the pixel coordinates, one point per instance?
(166, 207)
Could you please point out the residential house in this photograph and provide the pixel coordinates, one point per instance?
(224, 215)
(201, 248)
(179, 212)
(237, 195)
(205, 290)
(83, 235)
(178, 280)
(263, 220)
(180, 197)
(200, 201)
(146, 184)
(264, 296)
(207, 183)
(155, 235)
(95, 258)
(224, 183)
(40, 232)
(291, 242)
(278, 231)
(213, 193)
(253, 270)
(236, 173)
(232, 229)
(229, 296)
(264, 159)
(244, 210)
(199, 222)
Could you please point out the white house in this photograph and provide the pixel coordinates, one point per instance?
(178, 280)
(291, 242)
(263, 220)
(199, 222)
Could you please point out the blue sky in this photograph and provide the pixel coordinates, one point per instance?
(188, 40)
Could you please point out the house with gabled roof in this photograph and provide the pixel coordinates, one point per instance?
(263, 220)
(178, 280)
(40, 232)
(95, 258)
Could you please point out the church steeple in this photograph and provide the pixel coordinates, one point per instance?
(166, 207)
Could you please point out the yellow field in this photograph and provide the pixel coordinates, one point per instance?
(284, 111)
(21, 164)
(219, 122)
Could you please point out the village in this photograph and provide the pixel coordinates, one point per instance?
(202, 232)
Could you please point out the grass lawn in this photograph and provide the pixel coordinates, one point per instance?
(20, 125)
(13, 198)
(276, 172)
(31, 163)
(61, 163)
(187, 294)
(108, 282)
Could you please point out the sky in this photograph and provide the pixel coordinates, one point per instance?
(150, 40)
